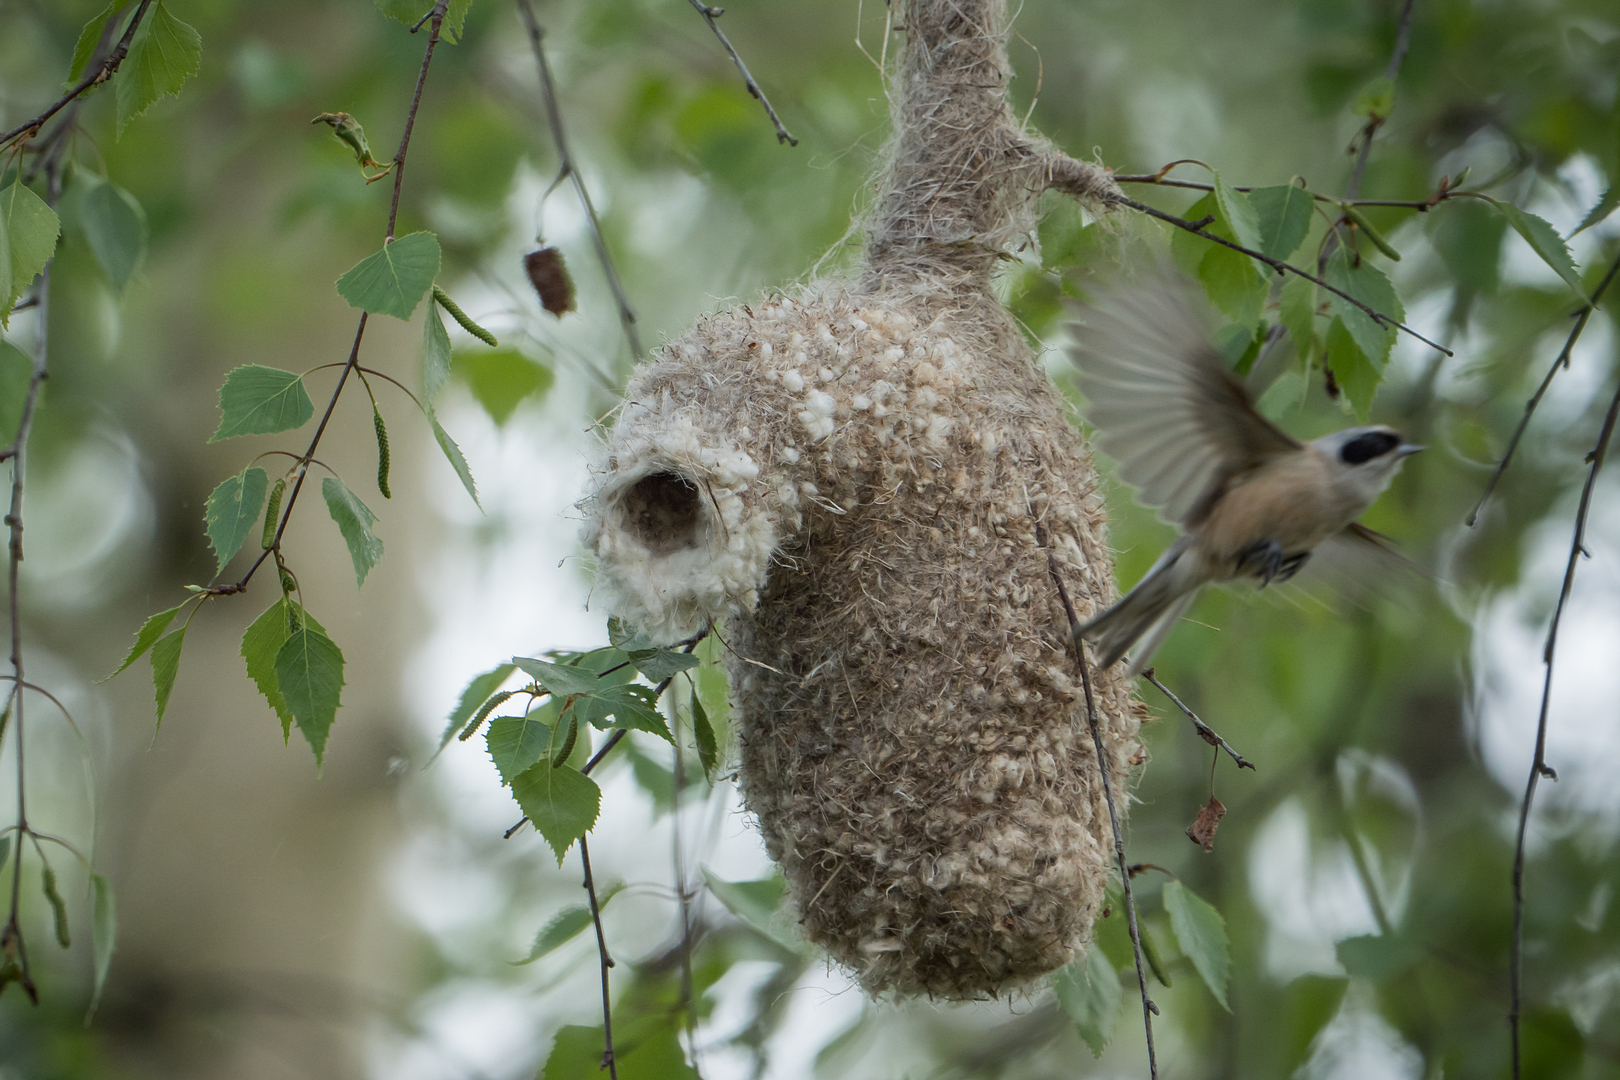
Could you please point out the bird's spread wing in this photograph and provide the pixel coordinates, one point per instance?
(1163, 402)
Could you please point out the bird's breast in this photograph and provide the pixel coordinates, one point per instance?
(1290, 500)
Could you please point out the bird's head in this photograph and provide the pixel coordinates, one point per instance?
(1367, 458)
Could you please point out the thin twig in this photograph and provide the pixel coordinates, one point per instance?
(1277, 264)
(11, 938)
(1403, 37)
(98, 74)
(1538, 765)
(709, 15)
(1205, 732)
(1562, 361)
(608, 1061)
(1158, 179)
(1149, 1010)
(559, 137)
(436, 15)
(688, 1011)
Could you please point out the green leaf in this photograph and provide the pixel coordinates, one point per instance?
(1201, 933)
(1230, 281)
(150, 631)
(1376, 99)
(1240, 216)
(1356, 375)
(89, 37)
(562, 803)
(1366, 283)
(260, 645)
(104, 934)
(644, 1048)
(259, 400)
(1284, 218)
(1605, 206)
(502, 379)
(165, 666)
(477, 692)
(1468, 237)
(562, 680)
(703, 735)
(394, 280)
(1546, 242)
(354, 520)
(517, 742)
(564, 927)
(754, 902)
(410, 13)
(1376, 956)
(661, 664)
(1089, 991)
(436, 355)
(452, 454)
(309, 674)
(231, 511)
(1297, 310)
(28, 232)
(16, 373)
(165, 53)
(115, 227)
(629, 705)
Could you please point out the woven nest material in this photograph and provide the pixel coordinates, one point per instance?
(857, 480)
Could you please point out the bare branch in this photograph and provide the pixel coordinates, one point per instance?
(1205, 732)
(709, 15)
(1149, 1010)
(1538, 764)
(1562, 361)
(559, 138)
(608, 1061)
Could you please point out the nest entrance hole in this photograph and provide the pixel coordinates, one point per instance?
(664, 510)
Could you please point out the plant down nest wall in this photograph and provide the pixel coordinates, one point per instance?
(862, 482)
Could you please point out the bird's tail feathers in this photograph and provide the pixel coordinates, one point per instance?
(1146, 614)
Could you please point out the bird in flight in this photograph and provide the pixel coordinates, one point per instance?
(1251, 500)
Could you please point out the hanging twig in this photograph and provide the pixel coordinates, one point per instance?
(559, 137)
(1205, 732)
(683, 898)
(1538, 764)
(1149, 1009)
(1562, 361)
(1159, 179)
(98, 74)
(436, 19)
(1403, 37)
(608, 1061)
(710, 14)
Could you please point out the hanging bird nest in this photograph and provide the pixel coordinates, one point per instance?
(856, 480)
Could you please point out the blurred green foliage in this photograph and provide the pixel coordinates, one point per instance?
(1361, 872)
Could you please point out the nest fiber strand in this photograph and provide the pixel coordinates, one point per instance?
(853, 478)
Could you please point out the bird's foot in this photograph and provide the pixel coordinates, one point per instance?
(1266, 561)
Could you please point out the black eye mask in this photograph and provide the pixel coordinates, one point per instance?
(1366, 447)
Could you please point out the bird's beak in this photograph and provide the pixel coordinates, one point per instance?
(1408, 449)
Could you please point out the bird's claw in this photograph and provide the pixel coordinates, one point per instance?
(1266, 561)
